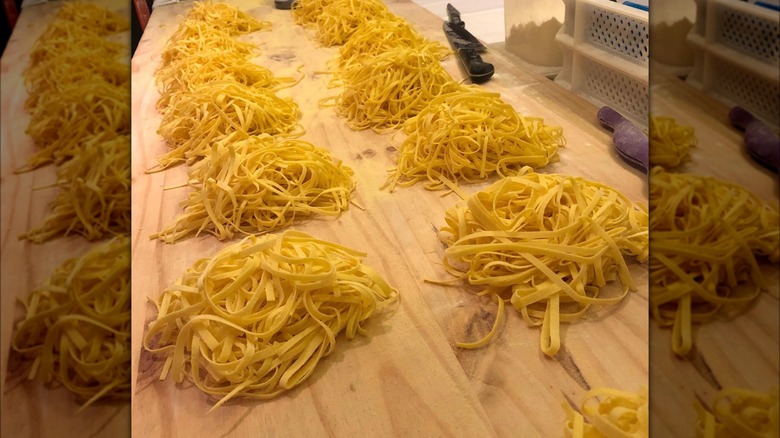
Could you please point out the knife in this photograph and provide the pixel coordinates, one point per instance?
(478, 70)
(467, 47)
(630, 142)
(459, 27)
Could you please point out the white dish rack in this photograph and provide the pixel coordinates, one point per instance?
(605, 55)
(737, 55)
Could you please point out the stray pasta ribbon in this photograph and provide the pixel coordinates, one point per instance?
(609, 413)
(255, 319)
(76, 327)
(708, 238)
(260, 184)
(742, 413)
(470, 135)
(670, 143)
(547, 244)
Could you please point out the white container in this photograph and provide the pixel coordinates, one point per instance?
(737, 56)
(670, 24)
(606, 48)
(530, 27)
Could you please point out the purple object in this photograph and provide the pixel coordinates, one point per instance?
(761, 142)
(630, 142)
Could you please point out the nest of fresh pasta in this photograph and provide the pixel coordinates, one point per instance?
(470, 135)
(255, 319)
(62, 122)
(547, 244)
(193, 120)
(709, 237)
(76, 327)
(382, 35)
(384, 91)
(187, 74)
(225, 17)
(670, 143)
(94, 196)
(260, 184)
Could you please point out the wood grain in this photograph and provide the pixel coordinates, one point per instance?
(737, 350)
(407, 378)
(27, 408)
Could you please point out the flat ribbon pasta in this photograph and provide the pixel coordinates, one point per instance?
(76, 328)
(609, 413)
(383, 91)
(94, 197)
(670, 143)
(257, 185)
(707, 237)
(469, 135)
(255, 319)
(550, 242)
(738, 412)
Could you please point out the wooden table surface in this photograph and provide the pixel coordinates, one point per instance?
(407, 378)
(28, 408)
(741, 351)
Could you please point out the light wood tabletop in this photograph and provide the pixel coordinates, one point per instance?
(406, 378)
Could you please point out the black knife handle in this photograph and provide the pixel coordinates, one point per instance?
(479, 71)
(283, 4)
(454, 16)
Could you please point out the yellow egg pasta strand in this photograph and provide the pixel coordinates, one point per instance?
(255, 319)
(259, 184)
(547, 244)
(707, 237)
(670, 143)
(470, 135)
(609, 413)
(76, 328)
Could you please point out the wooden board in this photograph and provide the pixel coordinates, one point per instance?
(407, 378)
(28, 408)
(741, 351)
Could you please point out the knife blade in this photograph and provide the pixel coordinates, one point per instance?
(478, 70)
(458, 26)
